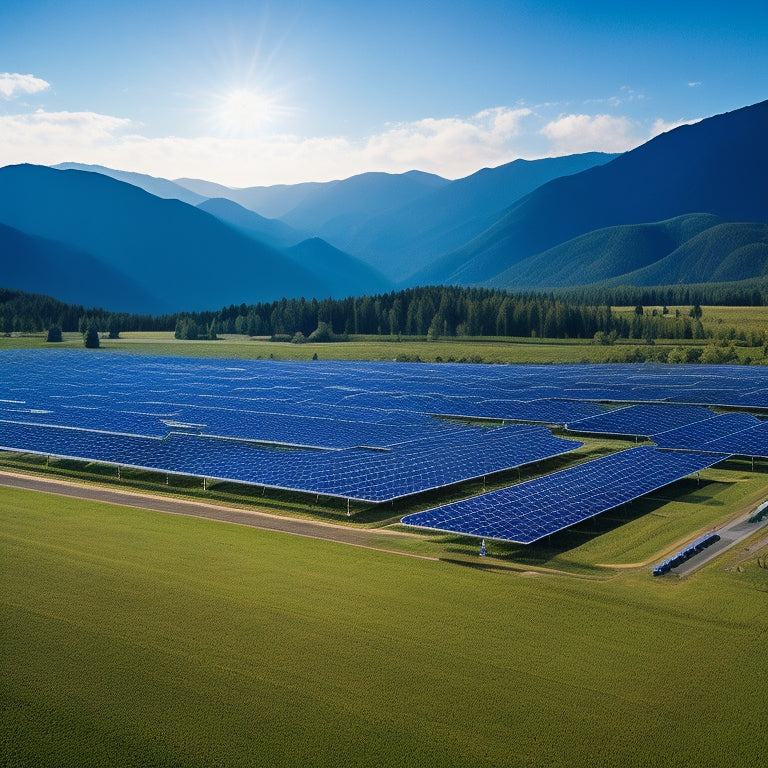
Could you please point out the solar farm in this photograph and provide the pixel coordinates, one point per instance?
(135, 637)
(379, 432)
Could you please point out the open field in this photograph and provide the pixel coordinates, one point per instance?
(134, 638)
(721, 321)
(739, 318)
(371, 348)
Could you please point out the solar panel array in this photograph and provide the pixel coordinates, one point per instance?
(361, 430)
(641, 420)
(529, 511)
(246, 423)
(366, 475)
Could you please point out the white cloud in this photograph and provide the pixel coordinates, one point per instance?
(662, 126)
(604, 133)
(52, 137)
(625, 95)
(587, 133)
(12, 83)
(451, 147)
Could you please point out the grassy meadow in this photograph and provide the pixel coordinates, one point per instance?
(133, 638)
(358, 348)
(722, 322)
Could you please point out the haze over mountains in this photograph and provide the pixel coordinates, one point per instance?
(689, 206)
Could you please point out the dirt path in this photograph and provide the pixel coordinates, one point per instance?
(309, 528)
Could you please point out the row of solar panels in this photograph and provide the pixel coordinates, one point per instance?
(532, 510)
(333, 427)
(684, 427)
(366, 475)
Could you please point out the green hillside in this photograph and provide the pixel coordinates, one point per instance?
(723, 253)
(605, 253)
(692, 249)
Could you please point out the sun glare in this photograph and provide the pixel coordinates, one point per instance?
(244, 110)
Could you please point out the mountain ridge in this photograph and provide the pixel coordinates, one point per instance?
(659, 180)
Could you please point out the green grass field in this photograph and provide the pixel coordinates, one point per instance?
(740, 318)
(132, 638)
(487, 350)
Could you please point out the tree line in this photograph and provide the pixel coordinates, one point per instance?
(744, 293)
(431, 312)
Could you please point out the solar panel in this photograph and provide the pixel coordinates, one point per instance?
(748, 442)
(641, 420)
(529, 511)
(696, 435)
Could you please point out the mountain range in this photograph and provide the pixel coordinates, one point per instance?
(691, 205)
(165, 254)
(717, 166)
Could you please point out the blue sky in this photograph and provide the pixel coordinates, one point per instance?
(250, 93)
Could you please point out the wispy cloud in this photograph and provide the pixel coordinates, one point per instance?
(694, 84)
(12, 84)
(586, 133)
(624, 96)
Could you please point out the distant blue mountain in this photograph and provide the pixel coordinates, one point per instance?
(184, 256)
(270, 231)
(271, 202)
(398, 223)
(348, 275)
(152, 184)
(311, 206)
(320, 257)
(414, 233)
(37, 265)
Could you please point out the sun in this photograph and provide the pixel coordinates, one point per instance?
(245, 110)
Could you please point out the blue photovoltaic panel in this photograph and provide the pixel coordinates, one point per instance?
(756, 399)
(749, 442)
(641, 419)
(542, 411)
(695, 436)
(366, 475)
(529, 511)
